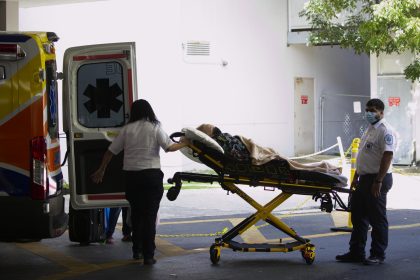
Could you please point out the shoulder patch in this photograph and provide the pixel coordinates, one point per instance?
(389, 139)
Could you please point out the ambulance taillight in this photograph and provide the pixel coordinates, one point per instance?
(38, 171)
(11, 52)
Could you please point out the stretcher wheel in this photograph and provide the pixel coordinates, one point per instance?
(214, 253)
(308, 254)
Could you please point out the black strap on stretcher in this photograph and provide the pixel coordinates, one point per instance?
(321, 193)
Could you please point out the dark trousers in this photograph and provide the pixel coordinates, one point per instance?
(367, 209)
(114, 214)
(144, 190)
(126, 229)
(112, 220)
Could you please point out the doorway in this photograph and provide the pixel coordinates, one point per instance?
(304, 120)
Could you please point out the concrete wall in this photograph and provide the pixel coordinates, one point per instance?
(252, 95)
(2, 15)
(9, 15)
(12, 20)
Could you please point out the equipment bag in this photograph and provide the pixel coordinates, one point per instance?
(86, 226)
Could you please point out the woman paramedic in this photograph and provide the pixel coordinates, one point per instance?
(141, 139)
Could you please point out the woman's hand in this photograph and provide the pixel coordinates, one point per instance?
(176, 146)
(98, 175)
(183, 140)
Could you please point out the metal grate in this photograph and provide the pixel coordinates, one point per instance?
(198, 48)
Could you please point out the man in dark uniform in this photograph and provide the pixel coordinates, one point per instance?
(372, 181)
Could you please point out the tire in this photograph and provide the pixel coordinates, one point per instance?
(308, 255)
(214, 254)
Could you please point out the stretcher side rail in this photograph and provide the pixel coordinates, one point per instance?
(318, 192)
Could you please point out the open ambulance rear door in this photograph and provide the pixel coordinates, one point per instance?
(99, 87)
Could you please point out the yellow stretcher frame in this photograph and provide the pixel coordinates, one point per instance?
(263, 212)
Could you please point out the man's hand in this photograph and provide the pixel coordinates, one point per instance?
(354, 184)
(355, 181)
(376, 188)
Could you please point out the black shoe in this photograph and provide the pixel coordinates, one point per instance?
(373, 260)
(149, 261)
(137, 256)
(127, 238)
(350, 257)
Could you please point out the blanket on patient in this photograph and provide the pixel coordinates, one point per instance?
(260, 155)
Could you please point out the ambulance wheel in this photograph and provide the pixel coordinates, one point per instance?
(214, 254)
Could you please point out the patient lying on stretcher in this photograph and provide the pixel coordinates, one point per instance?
(244, 149)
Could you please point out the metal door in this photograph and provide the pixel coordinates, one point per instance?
(304, 123)
(396, 93)
(99, 87)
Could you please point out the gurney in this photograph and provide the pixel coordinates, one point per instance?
(275, 174)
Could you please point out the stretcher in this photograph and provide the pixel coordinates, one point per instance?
(275, 174)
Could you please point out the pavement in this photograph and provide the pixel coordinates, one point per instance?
(405, 194)
(189, 225)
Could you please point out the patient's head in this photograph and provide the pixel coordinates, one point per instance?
(207, 129)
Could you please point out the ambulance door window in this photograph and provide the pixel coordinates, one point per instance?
(100, 98)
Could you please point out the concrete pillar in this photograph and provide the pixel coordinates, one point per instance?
(416, 88)
(9, 15)
(373, 76)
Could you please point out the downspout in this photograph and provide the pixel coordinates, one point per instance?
(321, 106)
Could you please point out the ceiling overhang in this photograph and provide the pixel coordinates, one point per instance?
(38, 3)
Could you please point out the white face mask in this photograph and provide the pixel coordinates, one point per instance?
(371, 117)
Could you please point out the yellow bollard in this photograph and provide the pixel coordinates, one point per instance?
(354, 151)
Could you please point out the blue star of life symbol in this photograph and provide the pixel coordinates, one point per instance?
(53, 105)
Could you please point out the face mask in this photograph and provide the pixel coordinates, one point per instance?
(371, 117)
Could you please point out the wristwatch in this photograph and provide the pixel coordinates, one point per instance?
(378, 181)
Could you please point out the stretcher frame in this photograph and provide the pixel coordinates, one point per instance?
(325, 192)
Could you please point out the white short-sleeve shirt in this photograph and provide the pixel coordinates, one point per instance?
(141, 142)
(376, 139)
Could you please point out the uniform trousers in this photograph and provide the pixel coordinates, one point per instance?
(144, 191)
(367, 209)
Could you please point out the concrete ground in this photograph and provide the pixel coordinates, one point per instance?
(189, 225)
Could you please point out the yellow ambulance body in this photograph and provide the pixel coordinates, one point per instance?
(31, 198)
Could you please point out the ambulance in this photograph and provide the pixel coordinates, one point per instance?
(99, 86)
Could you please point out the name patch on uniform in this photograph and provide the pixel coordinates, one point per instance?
(389, 139)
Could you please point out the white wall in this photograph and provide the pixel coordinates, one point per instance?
(252, 96)
(393, 65)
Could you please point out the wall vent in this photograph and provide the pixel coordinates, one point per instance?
(198, 48)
